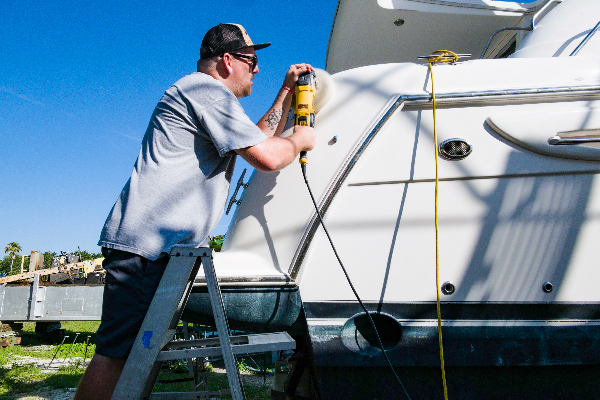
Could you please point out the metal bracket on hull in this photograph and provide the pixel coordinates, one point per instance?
(233, 200)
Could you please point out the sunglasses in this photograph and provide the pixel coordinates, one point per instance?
(254, 59)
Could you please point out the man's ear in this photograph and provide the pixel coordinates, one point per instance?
(227, 62)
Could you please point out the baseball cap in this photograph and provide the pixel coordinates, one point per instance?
(225, 38)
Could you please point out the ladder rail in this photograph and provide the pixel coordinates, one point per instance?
(168, 336)
(216, 301)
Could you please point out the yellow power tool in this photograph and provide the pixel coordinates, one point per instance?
(304, 114)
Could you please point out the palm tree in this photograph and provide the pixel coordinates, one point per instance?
(12, 249)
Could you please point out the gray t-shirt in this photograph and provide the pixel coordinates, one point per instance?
(180, 181)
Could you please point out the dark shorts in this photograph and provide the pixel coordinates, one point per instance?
(129, 287)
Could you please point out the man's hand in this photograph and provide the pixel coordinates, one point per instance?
(291, 77)
(304, 137)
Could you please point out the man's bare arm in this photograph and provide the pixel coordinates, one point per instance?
(273, 122)
(276, 153)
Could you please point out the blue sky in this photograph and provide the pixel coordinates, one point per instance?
(79, 81)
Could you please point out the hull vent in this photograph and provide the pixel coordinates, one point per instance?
(455, 149)
(359, 337)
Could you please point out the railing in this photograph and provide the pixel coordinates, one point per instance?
(585, 40)
(506, 28)
(537, 14)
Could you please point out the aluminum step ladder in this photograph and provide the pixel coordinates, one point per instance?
(154, 343)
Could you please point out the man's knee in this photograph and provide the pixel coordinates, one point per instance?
(100, 378)
(107, 363)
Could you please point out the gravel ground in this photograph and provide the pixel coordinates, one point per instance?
(56, 394)
(44, 364)
(256, 380)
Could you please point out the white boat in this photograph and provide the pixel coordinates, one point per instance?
(518, 132)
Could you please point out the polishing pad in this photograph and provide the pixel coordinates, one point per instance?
(324, 88)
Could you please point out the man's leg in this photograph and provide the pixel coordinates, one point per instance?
(129, 287)
(100, 378)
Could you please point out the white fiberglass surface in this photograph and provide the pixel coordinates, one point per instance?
(559, 32)
(502, 247)
(510, 220)
(276, 207)
(407, 153)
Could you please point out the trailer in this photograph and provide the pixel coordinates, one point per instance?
(25, 297)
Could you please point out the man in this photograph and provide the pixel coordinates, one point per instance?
(179, 185)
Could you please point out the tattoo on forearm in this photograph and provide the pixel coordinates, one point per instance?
(273, 118)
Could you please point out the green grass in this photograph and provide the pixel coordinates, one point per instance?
(30, 378)
(19, 379)
(30, 343)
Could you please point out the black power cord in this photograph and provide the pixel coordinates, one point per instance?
(303, 166)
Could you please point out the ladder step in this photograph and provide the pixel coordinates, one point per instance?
(181, 344)
(243, 344)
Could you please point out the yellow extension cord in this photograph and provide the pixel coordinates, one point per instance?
(438, 56)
